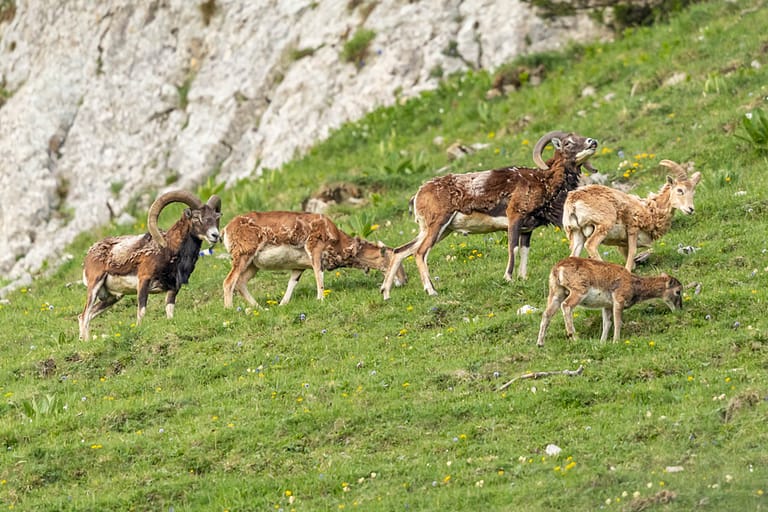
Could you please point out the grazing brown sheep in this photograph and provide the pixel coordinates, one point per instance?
(294, 241)
(602, 285)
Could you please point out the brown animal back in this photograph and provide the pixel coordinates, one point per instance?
(485, 191)
(588, 272)
(605, 203)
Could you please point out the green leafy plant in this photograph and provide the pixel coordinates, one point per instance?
(300, 53)
(116, 186)
(362, 225)
(209, 188)
(183, 91)
(404, 167)
(40, 406)
(4, 95)
(485, 114)
(755, 123)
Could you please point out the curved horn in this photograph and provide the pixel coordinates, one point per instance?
(174, 196)
(539, 147)
(679, 169)
(215, 202)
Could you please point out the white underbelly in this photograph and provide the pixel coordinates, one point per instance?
(127, 285)
(618, 236)
(478, 223)
(596, 299)
(282, 257)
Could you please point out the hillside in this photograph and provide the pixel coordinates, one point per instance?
(357, 403)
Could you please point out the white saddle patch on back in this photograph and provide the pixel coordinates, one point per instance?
(125, 248)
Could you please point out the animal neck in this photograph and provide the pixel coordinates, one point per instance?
(180, 235)
(561, 178)
(646, 288)
(556, 173)
(659, 209)
(368, 255)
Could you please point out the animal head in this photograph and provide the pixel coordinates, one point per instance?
(202, 217)
(205, 220)
(377, 255)
(673, 293)
(682, 188)
(572, 147)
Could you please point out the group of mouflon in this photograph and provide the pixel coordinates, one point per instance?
(512, 199)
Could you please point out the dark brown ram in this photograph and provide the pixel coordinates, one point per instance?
(154, 262)
(512, 199)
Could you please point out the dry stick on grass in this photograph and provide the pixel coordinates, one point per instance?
(538, 375)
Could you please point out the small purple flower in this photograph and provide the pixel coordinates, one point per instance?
(302, 317)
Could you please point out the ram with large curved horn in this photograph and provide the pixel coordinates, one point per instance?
(153, 262)
(511, 199)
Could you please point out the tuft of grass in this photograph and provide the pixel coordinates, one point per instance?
(300, 53)
(355, 50)
(208, 10)
(183, 90)
(7, 10)
(755, 125)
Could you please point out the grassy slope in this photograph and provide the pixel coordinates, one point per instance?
(386, 406)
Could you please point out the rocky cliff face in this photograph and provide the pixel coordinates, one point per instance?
(107, 100)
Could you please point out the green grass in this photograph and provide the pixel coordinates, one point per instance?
(355, 403)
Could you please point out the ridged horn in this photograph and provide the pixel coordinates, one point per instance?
(174, 196)
(215, 202)
(539, 147)
(680, 171)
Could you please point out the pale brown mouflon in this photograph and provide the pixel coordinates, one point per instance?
(294, 241)
(597, 214)
(602, 285)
